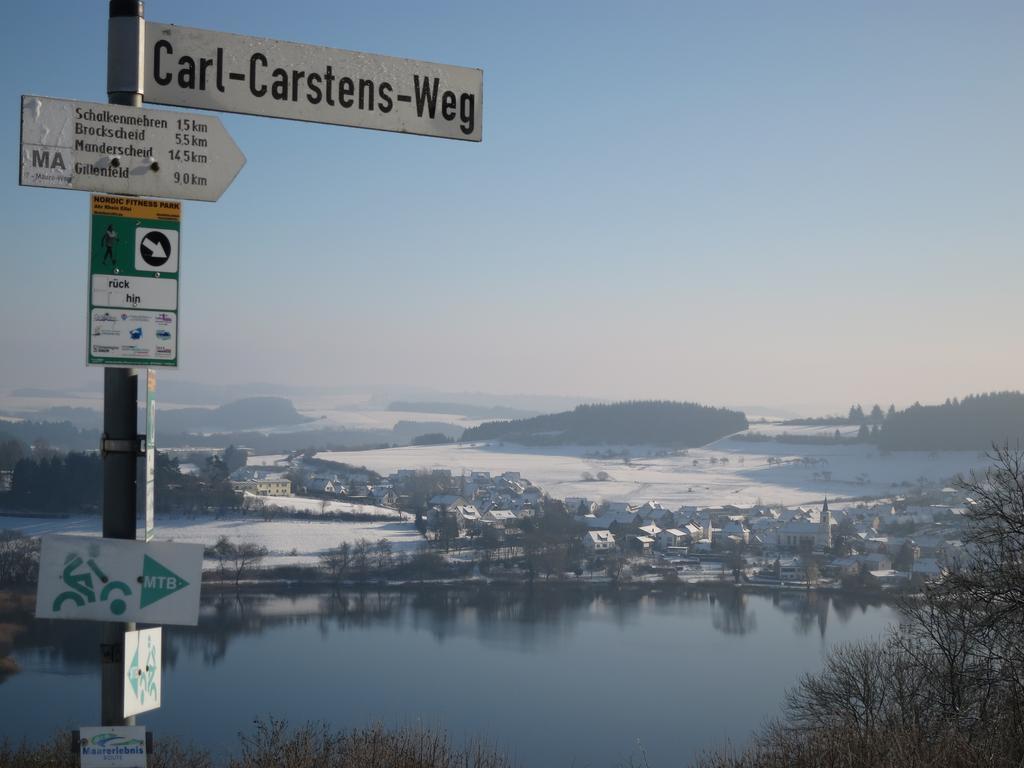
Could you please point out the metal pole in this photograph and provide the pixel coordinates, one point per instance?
(120, 385)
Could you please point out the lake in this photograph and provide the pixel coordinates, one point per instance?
(554, 676)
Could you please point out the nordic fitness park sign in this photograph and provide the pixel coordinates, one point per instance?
(256, 76)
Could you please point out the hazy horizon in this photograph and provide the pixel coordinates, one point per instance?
(797, 206)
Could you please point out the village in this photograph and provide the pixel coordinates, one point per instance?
(497, 519)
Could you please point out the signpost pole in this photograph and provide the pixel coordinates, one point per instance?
(120, 385)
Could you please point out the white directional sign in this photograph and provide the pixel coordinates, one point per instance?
(125, 150)
(142, 651)
(201, 69)
(119, 580)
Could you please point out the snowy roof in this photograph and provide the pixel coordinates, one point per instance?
(928, 566)
(445, 500)
(601, 537)
(467, 511)
(801, 527)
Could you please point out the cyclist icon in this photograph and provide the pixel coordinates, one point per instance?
(82, 590)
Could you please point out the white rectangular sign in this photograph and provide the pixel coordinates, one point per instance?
(131, 292)
(82, 577)
(142, 651)
(253, 75)
(140, 334)
(125, 150)
(112, 745)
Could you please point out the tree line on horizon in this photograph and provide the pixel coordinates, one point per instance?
(974, 423)
(657, 422)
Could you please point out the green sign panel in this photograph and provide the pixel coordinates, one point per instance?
(133, 282)
(158, 582)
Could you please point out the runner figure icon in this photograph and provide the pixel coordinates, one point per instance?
(108, 242)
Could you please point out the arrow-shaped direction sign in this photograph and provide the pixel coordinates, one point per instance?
(125, 150)
(81, 577)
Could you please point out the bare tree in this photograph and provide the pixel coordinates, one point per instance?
(336, 562)
(361, 558)
(236, 560)
(382, 549)
(246, 557)
(994, 575)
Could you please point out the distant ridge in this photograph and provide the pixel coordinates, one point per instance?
(654, 422)
(247, 413)
(468, 410)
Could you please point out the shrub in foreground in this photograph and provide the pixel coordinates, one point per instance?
(274, 745)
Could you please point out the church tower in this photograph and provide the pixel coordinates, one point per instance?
(826, 525)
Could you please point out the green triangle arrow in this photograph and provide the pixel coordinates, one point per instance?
(133, 672)
(158, 582)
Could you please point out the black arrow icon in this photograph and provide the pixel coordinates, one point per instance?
(155, 248)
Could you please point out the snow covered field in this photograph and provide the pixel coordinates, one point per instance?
(291, 542)
(320, 506)
(774, 428)
(370, 418)
(727, 471)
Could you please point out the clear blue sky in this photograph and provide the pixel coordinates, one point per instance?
(792, 203)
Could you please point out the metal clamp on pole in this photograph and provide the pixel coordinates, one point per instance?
(136, 446)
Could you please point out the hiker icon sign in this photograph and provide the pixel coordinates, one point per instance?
(142, 651)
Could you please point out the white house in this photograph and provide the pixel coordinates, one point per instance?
(670, 537)
(616, 508)
(573, 505)
(598, 541)
(651, 509)
(446, 501)
(383, 495)
(498, 517)
(466, 514)
(321, 485)
(650, 530)
(734, 529)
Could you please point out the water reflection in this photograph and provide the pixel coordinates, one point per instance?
(525, 618)
(731, 613)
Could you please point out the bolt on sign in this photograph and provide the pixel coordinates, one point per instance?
(81, 577)
(133, 282)
(142, 651)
